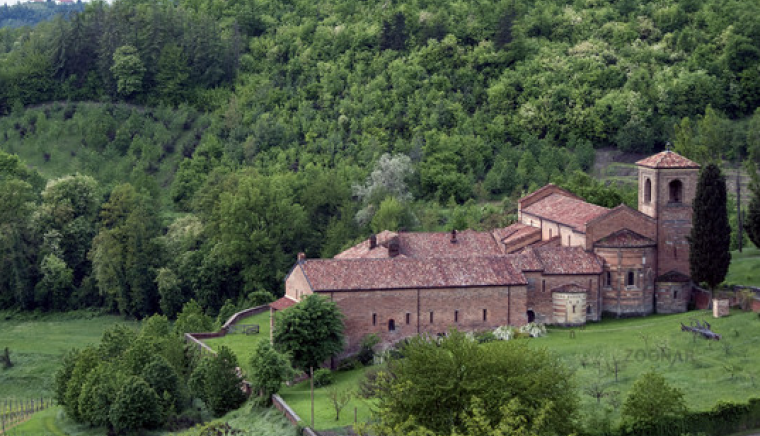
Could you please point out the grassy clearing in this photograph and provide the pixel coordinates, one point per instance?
(37, 342)
(744, 267)
(299, 399)
(252, 420)
(241, 344)
(706, 371)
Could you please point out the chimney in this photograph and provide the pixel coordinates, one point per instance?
(393, 248)
(301, 257)
(454, 236)
(372, 241)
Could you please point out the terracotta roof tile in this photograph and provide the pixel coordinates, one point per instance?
(282, 303)
(545, 191)
(362, 250)
(625, 239)
(428, 245)
(667, 159)
(400, 273)
(565, 210)
(515, 234)
(527, 260)
(568, 260)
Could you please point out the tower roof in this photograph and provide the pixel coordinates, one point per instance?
(667, 159)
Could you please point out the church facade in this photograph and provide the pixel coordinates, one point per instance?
(565, 262)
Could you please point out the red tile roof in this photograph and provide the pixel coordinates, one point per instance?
(428, 245)
(515, 234)
(667, 159)
(543, 192)
(362, 250)
(526, 260)
(282, 303)
(565, 210)
(568, 260)
(625, 239)
(406, 273)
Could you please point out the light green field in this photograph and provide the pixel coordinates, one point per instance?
(37, 343)
(241, 344)
(706, 371)
(261, 422)
(299, 399)
(745, 268)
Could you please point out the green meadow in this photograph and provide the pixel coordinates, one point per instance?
(240, 343)
(745, 267)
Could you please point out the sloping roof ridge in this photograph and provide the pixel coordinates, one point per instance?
(618, 209)
(667, 159)
(544, 188)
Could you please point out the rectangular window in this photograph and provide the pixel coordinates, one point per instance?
(631, 281)
(408, 318)
(374, 319)
(431, 317)
(543, 285)
(456, 316)
(607, 278)
(485, 314)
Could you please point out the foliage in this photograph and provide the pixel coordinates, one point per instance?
(366, 352)
(461, 370)
(269, 369)
(652, 400)
(215, 381)
(192, 320)
(752, 220)
(323, 377)
(136, 406)
(310, 332)
(709, 256)
(339, 399)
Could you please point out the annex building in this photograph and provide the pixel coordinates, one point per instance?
(564, 262)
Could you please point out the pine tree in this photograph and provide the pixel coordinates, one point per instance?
(710, 237)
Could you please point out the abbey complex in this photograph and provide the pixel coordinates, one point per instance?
(564, 262)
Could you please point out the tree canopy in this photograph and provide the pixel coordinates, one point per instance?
(710, 238)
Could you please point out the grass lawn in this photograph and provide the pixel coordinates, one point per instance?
(706, 371)
(261, 422)
(241, 344)
(37, 342)
(299, 399)
(744, 268)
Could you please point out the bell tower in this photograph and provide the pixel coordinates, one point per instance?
(667, 185)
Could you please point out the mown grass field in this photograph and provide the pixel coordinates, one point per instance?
(745, 267)
(241, 344)
(38, 341)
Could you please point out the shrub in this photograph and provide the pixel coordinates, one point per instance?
(504, 333)
(485, 337)
(367, 353)
(535, 330)
(323, 377)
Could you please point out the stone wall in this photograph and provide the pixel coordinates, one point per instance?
(672, 297)
(397, 314)
(296, 284)
(620, 218)
(540, 294)
(619, 297)
(569, 308)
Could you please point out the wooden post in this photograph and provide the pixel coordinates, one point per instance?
(311, 371)
(355, 415)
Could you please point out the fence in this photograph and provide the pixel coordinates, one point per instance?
(13, 411)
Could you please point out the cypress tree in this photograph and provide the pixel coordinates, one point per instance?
(752, 222)
(710, 237)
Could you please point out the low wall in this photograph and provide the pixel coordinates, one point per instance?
(244, 313)
(283, 407)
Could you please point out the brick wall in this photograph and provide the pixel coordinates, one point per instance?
(618, 296)
(620, 218)
(672, 297)
(369, 312)
(540, 299)
(296, 284)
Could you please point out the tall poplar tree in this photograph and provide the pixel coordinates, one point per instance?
(710, 237)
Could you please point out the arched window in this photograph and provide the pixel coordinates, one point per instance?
(675, 188)
(588, 310)
(391, 325)
(648, 191)
(631, 278)
(531, 316)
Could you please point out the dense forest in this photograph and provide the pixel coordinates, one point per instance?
(29, 14)
(190, 149)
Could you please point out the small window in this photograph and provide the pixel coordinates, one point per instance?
(631, 279)
(374, 319)
(588, 310)
(456, 316)
(573, 309)
(675, 295)
(568, 240)
(675, 188)
(391, 325)
(431, 317)
(607, 278)
(408, 318)
(485, 314)
(648, 191)
(543, 285)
